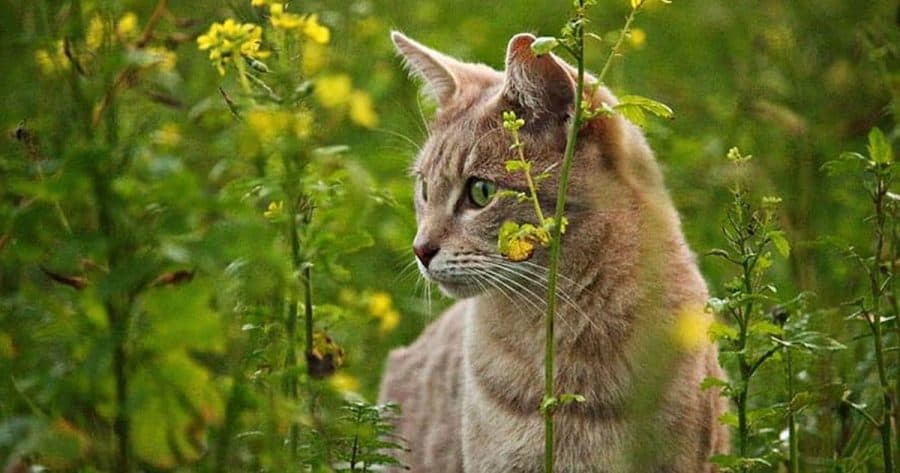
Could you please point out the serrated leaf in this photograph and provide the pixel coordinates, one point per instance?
(879, 149)
(729, 418)
(644, 104)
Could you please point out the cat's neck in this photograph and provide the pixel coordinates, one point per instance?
(643, 279)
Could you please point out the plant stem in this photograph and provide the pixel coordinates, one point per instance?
(556, 240)
(794, 456)
(616, 47)
(885, 426)
(532, 189)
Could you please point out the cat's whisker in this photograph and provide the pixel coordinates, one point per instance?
(497, 287)
(560, 292)
(416, 147)
(521, 287)
(408, 271)
(498, 281)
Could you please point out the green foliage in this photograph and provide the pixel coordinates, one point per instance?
(148, 204)
(367, 441)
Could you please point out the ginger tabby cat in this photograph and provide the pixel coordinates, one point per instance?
(470, 386)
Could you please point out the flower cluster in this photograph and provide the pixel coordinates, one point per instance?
(337, 92)
(229, 39)
(306, 25)
(99, 34)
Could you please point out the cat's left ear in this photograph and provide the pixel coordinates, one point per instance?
(541, 85)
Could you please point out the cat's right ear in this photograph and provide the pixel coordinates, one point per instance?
(540, 84)
(439, 72)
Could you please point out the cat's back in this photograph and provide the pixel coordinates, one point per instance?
(425, 378)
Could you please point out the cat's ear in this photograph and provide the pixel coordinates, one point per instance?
(541, 85)
(439, 71)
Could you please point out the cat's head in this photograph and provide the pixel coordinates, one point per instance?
(462, 166)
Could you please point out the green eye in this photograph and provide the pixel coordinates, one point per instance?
(424, 191)
(481, 192)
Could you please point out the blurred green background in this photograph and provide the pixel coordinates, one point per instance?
(165, 186)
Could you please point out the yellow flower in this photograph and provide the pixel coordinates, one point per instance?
(343, 382)
(258, 3)
(229, 39)
(303, 124)
(691, 326)
(316, 32)
(164, 58)
(52, 62)
(379, 303)
(389, 321)
(637, 37)
(274, 210)
(127, 27)
(314, 57)
(168, 135)
(268, 124)
(96, 33)
(520, 249)
(285, 21)
(361, 110)
(333, 91)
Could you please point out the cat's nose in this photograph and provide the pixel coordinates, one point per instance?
(425, 253)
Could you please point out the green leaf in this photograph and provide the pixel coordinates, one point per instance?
(719, 331)
(544, 45)
(569, 398)
(780, 242)
(549, 404)
(764, 327)
(514, 165)
(713, 382)
(633, 107)
(879, 149)
(508, 232)
(729, 418)
(171, 399)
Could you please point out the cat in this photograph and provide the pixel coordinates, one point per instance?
(471, 385)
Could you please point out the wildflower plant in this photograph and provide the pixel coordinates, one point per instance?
(879, 306)
(517, 241)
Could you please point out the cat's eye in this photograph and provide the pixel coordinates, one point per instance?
(424, 191)
(481, 192)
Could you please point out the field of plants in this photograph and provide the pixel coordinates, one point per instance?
(206, 219)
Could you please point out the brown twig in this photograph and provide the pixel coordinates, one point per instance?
(157, 14)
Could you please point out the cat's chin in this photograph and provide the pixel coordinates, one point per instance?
(459, 290)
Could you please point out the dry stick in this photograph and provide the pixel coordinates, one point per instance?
(157, 14)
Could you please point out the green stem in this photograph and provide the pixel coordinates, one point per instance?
(616, 47)
(885, 426)
(532, 189)
(793, 442)
(556, 246)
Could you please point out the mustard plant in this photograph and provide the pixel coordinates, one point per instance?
(879, 307)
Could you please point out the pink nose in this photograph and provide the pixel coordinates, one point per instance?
(425, 253)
